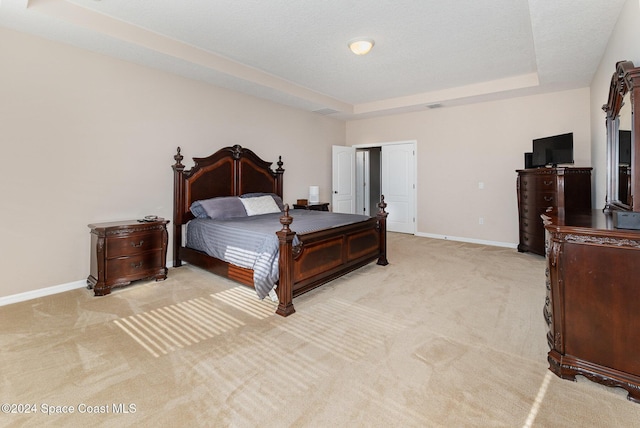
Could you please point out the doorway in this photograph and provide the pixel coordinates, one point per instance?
(368, 180)
(387, 169)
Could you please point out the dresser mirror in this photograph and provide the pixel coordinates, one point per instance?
(623, 171)
(623, 146)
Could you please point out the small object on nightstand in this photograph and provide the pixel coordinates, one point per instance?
(314, 194)
(319, 206)
(126, 251)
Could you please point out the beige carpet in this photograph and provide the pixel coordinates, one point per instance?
(448, 335)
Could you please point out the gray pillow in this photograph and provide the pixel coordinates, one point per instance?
(275, 197)
(219, 208)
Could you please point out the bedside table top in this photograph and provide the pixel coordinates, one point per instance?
(125, 224)
(318, 206)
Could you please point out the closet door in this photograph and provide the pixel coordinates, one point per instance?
(398, 186)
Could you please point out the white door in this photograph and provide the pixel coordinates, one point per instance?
(398, 186)
(344, 180)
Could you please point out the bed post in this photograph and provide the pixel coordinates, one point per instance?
(285, 265)
(278, 174)
(178, 197)
(382, 230)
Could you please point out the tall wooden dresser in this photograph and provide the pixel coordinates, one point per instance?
(568, 190)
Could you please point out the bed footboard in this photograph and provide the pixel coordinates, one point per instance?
(327, 254)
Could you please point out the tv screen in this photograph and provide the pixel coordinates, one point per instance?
(624, 147)
(554, 150)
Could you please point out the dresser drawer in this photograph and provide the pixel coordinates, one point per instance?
(532, 211)
(130, 268)
(534, 183)
(546, 199)
(133, 243)
(527, 185)
(527, 196)
(545, 183)
(533, 225)
(532, 242)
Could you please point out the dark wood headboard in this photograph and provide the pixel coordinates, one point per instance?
(231, 171)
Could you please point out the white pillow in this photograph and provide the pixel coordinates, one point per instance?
(260, 205)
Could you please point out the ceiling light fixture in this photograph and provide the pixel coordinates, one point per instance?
(361, 46)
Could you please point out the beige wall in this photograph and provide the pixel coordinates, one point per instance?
(624, 45)
(459, 147)
(86, 138)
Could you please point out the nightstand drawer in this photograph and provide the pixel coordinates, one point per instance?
(133, 267)
(133, 244)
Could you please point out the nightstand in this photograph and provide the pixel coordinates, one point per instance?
(317, 206)
(126, 251)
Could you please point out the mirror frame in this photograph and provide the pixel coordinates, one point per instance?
(626, 80)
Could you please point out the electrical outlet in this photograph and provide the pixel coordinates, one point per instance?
(480, 220)
(480, 185)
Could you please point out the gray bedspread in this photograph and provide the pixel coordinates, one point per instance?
(251, 242)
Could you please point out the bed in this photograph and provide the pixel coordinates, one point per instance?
(304, 260)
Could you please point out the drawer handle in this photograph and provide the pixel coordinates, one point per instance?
(548, 183)
(138, 245)
(548, 198)
(136, 265)
(525, 223)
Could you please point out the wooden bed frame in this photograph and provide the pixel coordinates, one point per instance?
(320, 256)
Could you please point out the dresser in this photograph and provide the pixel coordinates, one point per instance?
(568, 190)
(593, 296)
(126, 251)
(592, 276)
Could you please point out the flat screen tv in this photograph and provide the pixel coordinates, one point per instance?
(624, 147)
(554, 150)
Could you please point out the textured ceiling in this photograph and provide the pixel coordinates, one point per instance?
(295, 52)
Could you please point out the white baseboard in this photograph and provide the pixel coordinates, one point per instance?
(48, 291)
(42, 292)
(469, 240)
